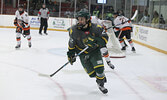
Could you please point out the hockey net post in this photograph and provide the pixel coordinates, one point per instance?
(113, 45)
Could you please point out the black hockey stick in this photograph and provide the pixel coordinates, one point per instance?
(22, 28)
(45, 75)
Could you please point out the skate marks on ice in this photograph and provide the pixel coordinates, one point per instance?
(58, 90)
(158, 83)
(27, 79)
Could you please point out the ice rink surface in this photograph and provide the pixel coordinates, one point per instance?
(139, 76)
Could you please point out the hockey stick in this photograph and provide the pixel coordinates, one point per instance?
(119, 34)
(45, 75)
(19, 23)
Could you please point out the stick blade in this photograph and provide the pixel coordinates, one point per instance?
(135, 14)
(43, 75)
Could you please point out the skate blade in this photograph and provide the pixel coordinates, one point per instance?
(113, 67)
(17, 48)
(43, 75)
(102, 89)
(134, 51)
(105, 91)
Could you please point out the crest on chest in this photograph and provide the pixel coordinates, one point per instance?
(87, 32)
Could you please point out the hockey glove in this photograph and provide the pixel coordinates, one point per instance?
(71, 56)
(101, 42)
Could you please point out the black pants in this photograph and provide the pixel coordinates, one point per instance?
(126, 33)
(44, 24)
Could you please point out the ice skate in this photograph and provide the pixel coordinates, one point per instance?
(18, 46)
(133, 50)
(110, 65)
(46, 33)
(29, 45)
(100, 84)
(123, 48)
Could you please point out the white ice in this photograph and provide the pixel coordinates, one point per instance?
(139, 76)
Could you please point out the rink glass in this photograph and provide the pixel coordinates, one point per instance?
(68, 9)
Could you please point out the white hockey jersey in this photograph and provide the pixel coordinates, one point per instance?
(122, 23)
(23, 17)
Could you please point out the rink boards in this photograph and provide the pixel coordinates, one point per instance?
(147, 36)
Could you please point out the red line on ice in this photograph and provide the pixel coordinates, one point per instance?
(141, 98)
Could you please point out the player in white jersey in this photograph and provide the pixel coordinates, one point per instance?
(123, 25)
(22, 26)
(103, 50)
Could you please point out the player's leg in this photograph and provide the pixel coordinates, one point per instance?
(117, 34)
(28, 36)
(105, 54)
(96, 60)
(128, 37)
(45, 26)
(121, 40)
(29, 40)
(18, 37)
(85, 61)
(41, 26)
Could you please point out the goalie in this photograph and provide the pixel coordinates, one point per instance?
(22, 25)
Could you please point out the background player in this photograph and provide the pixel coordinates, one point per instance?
(86, 33)
(125, 30)
(22, 23)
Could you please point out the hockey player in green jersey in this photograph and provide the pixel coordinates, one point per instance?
(83, 34)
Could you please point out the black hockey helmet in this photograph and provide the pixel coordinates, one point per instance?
(115, 13)
(21, 6)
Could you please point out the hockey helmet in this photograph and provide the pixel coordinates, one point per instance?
(115, 13)
(83, 13)
(21, 6)
(86, 15)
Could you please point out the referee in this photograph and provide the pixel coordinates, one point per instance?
(43, 15)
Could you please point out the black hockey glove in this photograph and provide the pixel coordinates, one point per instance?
(15, 22)
(101, 42)
(71, 55)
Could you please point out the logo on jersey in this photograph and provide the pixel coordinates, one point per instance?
(99, 62)
(87, 32)
(71, 40)
(85, 40)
